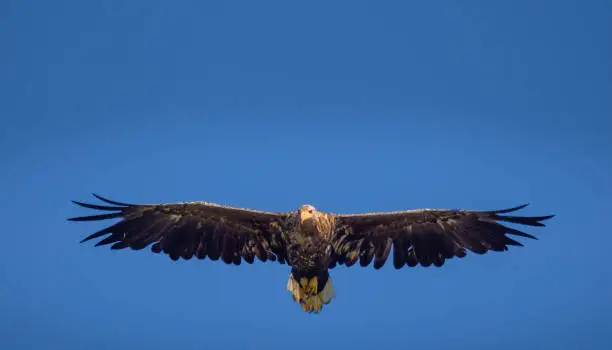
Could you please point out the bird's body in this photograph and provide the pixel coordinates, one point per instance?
(310, 241)
(310, 255)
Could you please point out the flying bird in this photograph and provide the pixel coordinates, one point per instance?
(311, 242)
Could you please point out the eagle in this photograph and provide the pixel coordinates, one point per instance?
(310, 241)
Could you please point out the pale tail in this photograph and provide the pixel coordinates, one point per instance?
(309, 294)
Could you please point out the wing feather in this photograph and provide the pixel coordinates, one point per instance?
(426, 236)
(193, 229)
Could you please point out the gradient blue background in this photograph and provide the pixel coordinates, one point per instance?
(352, 106)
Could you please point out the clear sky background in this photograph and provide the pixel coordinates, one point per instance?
(349, 105)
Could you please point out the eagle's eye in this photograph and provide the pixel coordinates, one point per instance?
(310, 211)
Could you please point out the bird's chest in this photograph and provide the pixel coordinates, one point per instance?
(305, 240)
(307, 248)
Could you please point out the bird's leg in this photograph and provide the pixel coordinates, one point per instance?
(313, 286)
(304, 282)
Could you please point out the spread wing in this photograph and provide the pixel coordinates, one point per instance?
(425, 236)
(191, 229)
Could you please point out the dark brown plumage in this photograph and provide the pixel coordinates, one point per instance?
(311, 242)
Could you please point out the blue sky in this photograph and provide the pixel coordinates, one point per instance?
(349, 105)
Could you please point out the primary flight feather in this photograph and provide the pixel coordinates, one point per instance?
(310, 241)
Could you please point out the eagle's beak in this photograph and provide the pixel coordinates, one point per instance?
(305, 215)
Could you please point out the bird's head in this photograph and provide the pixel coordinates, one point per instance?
(306, 212)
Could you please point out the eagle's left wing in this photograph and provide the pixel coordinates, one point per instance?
(191, 229)
(424, 236)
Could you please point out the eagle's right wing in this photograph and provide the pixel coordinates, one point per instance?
(197, 229)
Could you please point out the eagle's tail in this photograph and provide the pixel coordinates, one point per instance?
(311, 291)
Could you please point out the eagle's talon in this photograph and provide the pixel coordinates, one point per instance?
(312, 287)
